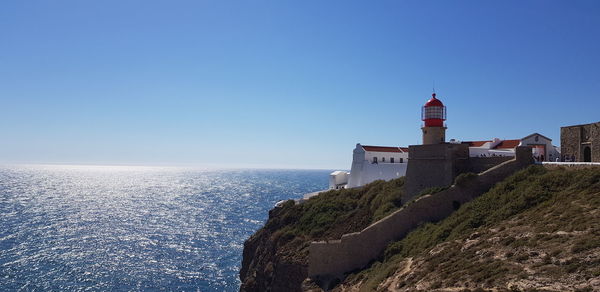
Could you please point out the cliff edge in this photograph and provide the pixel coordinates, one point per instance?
(275, 258)
(538, 230)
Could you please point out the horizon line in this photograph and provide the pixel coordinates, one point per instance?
(190, 166)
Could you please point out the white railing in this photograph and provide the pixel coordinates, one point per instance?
(568, 163)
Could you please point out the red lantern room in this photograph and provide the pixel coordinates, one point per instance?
(433, 112)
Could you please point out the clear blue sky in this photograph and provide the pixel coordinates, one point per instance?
(284, 83)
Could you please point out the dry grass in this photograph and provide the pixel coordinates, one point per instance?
(537, 231)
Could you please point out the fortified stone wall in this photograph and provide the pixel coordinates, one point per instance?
(480, 164)
(434, 165)
(595, 140)
(570, 141)
(573, 166)
(573, 139)
(331, 259)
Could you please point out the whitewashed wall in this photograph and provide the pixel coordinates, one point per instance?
(387, 155)
(363, 171)
(338, 178)
(551, 152)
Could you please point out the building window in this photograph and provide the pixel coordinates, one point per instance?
(401, 160)
(374, 159)
(391, 159)
(382, 159)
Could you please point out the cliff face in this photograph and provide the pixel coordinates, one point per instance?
(268, 264)
(538, 230)
(275, 257)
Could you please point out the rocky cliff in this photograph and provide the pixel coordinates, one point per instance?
(270, 262)
(539, 230)
(275, 257)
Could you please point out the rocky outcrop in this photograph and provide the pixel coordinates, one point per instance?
(275, 258)
(536, 231)
(267, 264)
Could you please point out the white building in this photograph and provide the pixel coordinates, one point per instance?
(370, 163)
(338, 179)
(490, 148)
(542, 148)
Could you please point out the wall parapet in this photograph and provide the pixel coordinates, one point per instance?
(569, 165)
(333, 258)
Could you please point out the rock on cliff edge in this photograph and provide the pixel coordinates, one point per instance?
(275, 258)
(267, 264)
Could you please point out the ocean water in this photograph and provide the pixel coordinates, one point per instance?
(80, 228)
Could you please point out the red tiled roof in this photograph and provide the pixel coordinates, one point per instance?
(383, 149)
(508, 144)
(405, 149)
(475, 143)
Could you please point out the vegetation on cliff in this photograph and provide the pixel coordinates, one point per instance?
(337, 212)
(539, 230)
(277, 254)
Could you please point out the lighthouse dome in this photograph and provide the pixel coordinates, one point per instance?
(433, 112)
(433, 101)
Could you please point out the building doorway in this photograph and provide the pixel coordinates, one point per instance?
(539, 152)
(587, 154)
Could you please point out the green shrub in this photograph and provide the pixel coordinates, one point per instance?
(464, 178)
(333, 213)
(534, 188)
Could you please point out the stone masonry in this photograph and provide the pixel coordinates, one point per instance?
(329, 260)
(434, 165)
(581, 142)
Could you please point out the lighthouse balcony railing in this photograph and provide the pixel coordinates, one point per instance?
(444, 125)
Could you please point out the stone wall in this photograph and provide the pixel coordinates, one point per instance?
(480, 164)
(574, 139)
(331, 259)
(433, 135)
(570, 141)
(595, 141)
(434, 165)
(570, 166)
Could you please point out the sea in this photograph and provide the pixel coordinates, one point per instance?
(121, 228)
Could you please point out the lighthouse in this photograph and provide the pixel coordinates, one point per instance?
(433, 114)
(434, 163)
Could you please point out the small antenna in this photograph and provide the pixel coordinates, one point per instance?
(433, 86)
